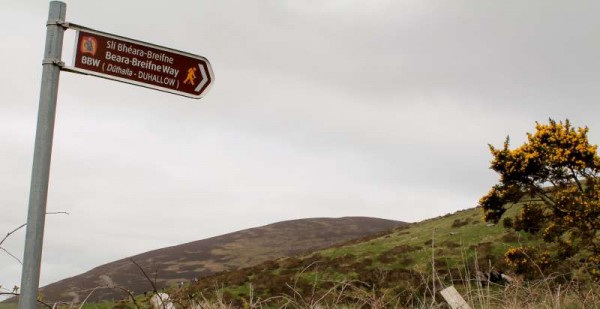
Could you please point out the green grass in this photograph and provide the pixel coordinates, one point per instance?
(452, 236)
(104, 305)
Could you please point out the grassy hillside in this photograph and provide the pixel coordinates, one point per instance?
(404, 268)
(196, 259)
(453, 247)
(449, 240)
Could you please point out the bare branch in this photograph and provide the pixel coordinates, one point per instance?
(17, 294)
(11, 232)
(544, 196)
(12, 255)
(58, 213)
(576, 180)
(18, 228)
(131, 296)
(24, 224)
(90, 294)
(145, 275)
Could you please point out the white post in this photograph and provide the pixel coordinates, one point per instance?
(455, 301)
(32, 256)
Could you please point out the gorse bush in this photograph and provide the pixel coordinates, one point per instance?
(555, 174)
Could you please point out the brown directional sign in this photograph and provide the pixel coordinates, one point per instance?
(143, 64)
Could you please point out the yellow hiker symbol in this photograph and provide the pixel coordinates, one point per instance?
(191, 76)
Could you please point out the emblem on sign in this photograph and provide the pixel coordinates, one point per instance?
(89, 45)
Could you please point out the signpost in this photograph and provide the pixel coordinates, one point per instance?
(108, 56)
(139, 63)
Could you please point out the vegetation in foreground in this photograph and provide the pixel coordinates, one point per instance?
(406, 268)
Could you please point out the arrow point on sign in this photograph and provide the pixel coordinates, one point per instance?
(204, 78)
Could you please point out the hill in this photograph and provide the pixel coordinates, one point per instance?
(453, 247)
(185, 262)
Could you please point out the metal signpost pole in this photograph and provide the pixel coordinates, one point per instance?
(30, 277)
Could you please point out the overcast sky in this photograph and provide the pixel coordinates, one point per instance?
(328, 108)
